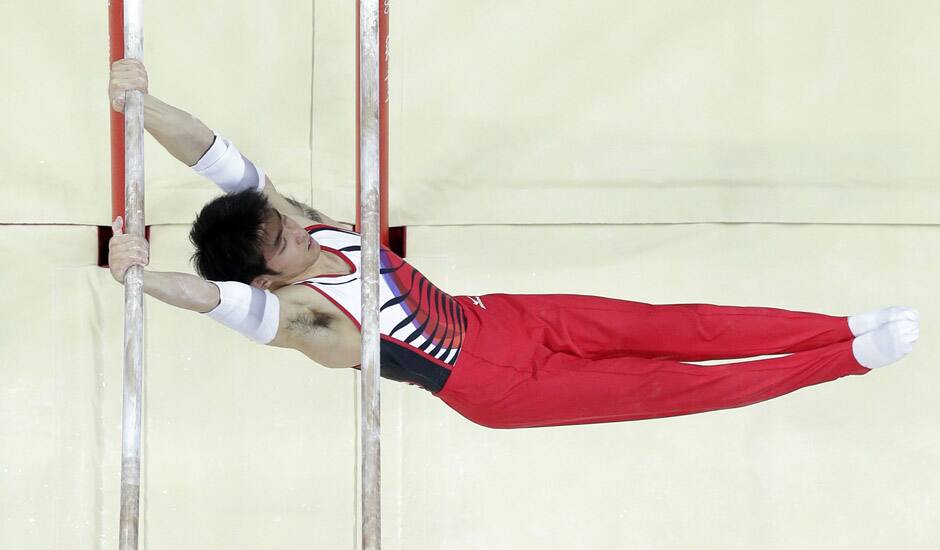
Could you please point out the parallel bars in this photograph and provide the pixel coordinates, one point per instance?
(372, 119)
(133, 280)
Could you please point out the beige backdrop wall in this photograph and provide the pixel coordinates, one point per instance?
(515, 125)
(645, 112)
(627, 112)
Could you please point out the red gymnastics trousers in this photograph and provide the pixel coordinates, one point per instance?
(551, 360)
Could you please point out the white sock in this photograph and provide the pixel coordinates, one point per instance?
(886, 344)
(867, 322)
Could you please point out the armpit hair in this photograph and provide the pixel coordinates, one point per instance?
(309, 321)
(309, 212)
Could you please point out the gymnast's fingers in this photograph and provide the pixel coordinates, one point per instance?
(116, 96)
(125, 251)
(121, 259)
(118, 265)
(126, 75)
(129, 246)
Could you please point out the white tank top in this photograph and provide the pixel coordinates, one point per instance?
(419, 323)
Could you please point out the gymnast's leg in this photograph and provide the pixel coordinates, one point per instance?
(594, 327)
(566, 389)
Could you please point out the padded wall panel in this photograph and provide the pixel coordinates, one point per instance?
(645, 112)
(333, 111)
(810, 469)
(250, 446)
(243, 446)
(628, 112)
(59, 392)
(254, 447)
(242, 67)
(54, 140)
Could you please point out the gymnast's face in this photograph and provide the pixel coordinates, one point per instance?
(288, 250)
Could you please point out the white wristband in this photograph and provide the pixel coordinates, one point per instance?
(251, 311)
(228, 169)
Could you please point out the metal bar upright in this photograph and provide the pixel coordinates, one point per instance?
(384, 233)
(116, 52)
(369, 176)
(133, 287)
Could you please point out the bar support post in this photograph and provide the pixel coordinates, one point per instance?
(133, 287)
(370, 162)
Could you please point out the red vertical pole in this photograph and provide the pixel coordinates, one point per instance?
(383, 122)
(116, 33)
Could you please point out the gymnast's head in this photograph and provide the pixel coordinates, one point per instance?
(241, 237)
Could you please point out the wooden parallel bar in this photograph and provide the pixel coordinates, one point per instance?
(369, 213)
(133, 288)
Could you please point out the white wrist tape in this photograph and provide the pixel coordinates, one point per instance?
(249, 310)
(228, 169)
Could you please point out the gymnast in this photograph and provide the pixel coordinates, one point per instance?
(286, 275)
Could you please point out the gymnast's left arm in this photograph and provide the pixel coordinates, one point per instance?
(196, 145)
(180, 133)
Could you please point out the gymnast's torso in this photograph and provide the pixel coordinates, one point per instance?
(422, 328)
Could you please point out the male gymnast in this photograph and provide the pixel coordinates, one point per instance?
(285, 275)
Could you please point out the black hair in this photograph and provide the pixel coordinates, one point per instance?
(228, 235)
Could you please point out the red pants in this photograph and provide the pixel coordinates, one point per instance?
(548, 360)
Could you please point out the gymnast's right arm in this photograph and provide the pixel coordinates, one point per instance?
(177, 289)
(251, 311)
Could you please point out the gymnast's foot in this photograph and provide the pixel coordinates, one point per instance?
(886, 344)
(867, 322)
